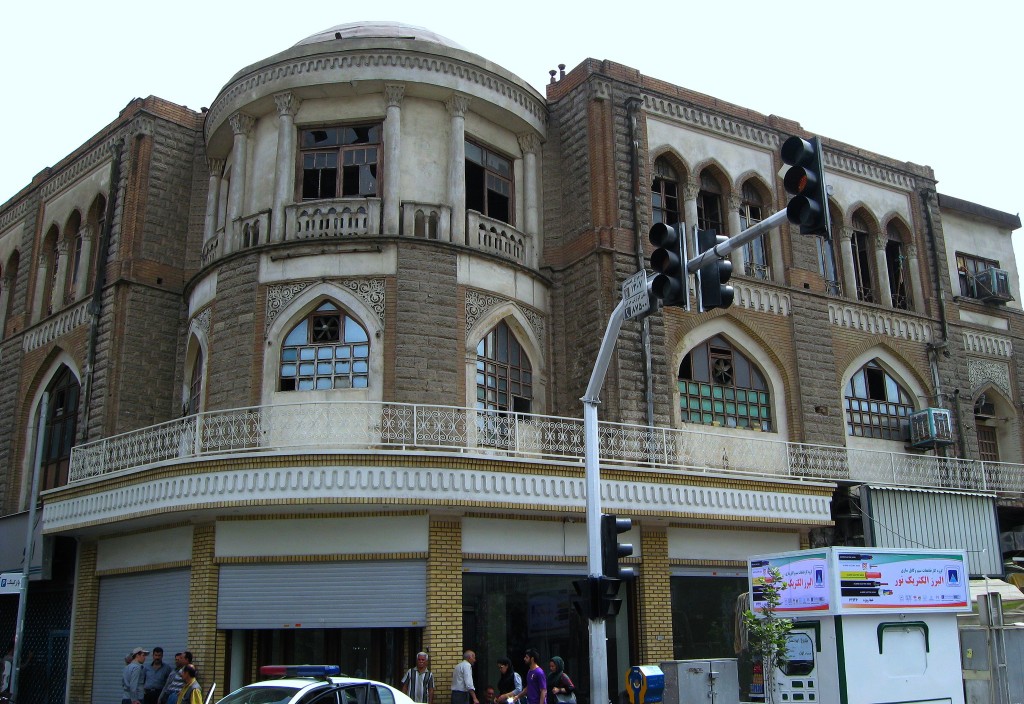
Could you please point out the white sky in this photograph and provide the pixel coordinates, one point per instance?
(934, 82)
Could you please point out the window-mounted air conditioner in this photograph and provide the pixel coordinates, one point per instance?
(992, 285)
(930, 428)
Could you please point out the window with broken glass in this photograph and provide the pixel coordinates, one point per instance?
(328, 349)
(755, 253)
(719, 385)
(877, 406)
(488, 183)
(340, 162)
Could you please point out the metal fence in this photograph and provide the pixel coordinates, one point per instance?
(367, 426)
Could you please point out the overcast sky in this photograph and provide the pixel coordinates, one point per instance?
(933, 82)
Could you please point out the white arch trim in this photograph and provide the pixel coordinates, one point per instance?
(299, 307)
(524, 332)
(746, 344)
(31, 430)
(197, 342)
(903, 376)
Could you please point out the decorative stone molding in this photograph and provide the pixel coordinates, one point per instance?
(845, 233)
(878, 322)
(216, 166)
(984, 371)
(761, 298)
(370, 291)
(99, 156)
(241, 123)
(911, 250)
(436, 486)
(735, 201)
(14, 214)
(287, 103)
(720, 124)
(324, 68)
(478, 304)
(394, 93)
(881, 242)
(201, 320)
(144, 125)
(865, 169)
(600, 89)
(691, 189)
(529, 143)
(987, 343)
(52, 328)
(457, 105)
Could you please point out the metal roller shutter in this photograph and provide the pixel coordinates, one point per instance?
(323, 595)
(137, 611)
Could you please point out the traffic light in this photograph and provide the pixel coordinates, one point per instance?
(669, 260)
(805, 181)
(597, 597)
(612, 549)
(712, 277)
(608, 600)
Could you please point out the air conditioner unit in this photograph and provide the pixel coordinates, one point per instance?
(931, 428)
(992, 285)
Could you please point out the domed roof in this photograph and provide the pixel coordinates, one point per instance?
(388, 30)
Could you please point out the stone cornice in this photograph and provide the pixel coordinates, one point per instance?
(987, 343)
(14, 214)
(879, 322)
(387, 65)
(53, 327)
(837, 161)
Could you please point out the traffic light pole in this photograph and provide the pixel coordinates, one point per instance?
(599, 680)
(736, 241)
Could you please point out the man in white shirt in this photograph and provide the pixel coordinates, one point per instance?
(463, 690)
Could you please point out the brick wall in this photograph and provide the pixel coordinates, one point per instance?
(205, 642)
(83, 632)
(655, 597)
(442, 637)
(231, 335)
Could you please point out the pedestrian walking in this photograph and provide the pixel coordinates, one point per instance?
(418, 683)
(510, 684)
(536, 682)
(561, 690)
(463, 689)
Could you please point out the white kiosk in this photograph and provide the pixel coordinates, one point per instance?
(871, 625)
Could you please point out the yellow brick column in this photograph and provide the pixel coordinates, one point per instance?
(442, 637)
(83, 638)
(655, 596)
(206, 644)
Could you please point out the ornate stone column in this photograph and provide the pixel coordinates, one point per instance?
(216, 167)
(913, 270)
(42, 273)
(690, 190)
(241, 125)
(84, 264)
(393, 95)
(775, 250)
(882, 267)
(61, 267)
(284, 174)
(846, 253)
(738, 255)
(6, 286)
(530, 144)
(457, 106)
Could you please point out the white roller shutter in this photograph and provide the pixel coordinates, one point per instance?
(323, 595)
(137, 611)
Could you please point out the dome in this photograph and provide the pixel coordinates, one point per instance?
(388, 30)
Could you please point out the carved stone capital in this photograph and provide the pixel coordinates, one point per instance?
(142, 126)
(85, 232)
(216, 166)
(600, 89)
(691, 189)
(846, 233)
(457, 105)
(62, 248)
(394, 93)
(241, 123)
(529, 142)
(735, 201)
(287, 103)
(911, 251)
(881, 241)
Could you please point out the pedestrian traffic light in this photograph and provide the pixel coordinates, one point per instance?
(669, 261)
(597, 597)
(608, 600)
(712, 277)
(805, 181)
(612, 549)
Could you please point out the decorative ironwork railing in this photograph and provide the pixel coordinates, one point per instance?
(362, 426)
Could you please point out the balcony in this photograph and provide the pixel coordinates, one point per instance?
(340, 217)
(499, 238)
(373, 426)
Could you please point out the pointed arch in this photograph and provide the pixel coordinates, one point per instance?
(667, 189)
(519, 326)
(673, 158)
(744, 341)
(713, 196)
(996, 425)
(762, 255)
(349, 307)
(878, 392)
(197, 356)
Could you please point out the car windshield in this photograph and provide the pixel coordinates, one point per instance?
(260, 695)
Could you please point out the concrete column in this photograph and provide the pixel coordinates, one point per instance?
(735, 227)
(881, 266)
(84, 263)
(457, 106)
(849, 272)
(6, 286)
(241, 125)
(61, 264)
(216, 167)
(530, 144)
(690, 190)
(775, 249)
(284, 176)
(912, 270)
(393, 95)
(38, 305)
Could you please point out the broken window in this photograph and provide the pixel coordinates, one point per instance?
(755, 252)
(877, 406)
(340, 162)
(709, 204)
(488, 183)
(665, 194)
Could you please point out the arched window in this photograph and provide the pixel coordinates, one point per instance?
(755, 253)
(709, 204)
(195, 385)
(328, 349)
(665, 194)
(862, 255)
(898, 269)
(827, 257)
(719, 384)
(504, 375)
(876, 405)
(61, 419)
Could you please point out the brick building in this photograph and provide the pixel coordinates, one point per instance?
(300, 374)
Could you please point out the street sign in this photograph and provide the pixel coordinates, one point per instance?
(634, 295)
(10, 583)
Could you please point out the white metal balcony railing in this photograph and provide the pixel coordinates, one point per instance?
(360, 426)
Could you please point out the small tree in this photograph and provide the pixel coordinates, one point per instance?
(768, 632)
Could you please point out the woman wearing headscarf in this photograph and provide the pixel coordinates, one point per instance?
(510, 684)
(560, 688)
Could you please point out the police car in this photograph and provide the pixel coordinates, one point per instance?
(314, 684)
